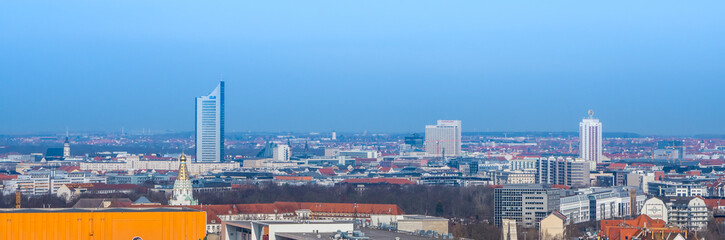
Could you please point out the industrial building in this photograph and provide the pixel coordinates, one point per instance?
(112, 223)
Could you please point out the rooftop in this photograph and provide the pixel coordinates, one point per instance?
(84, 210)
(370, 233)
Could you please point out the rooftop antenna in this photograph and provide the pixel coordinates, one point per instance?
(66, 132)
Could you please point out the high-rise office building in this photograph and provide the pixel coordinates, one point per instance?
(443, 138)
(210, 126)
(526, 203)
(561, 171)
(282, 153)
(590, 139)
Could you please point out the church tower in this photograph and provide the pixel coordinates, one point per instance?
(66, 145)
(66, 148)
(183, 192)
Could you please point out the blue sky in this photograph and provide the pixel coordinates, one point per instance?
(651, 67)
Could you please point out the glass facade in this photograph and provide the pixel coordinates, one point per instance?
(210, 126)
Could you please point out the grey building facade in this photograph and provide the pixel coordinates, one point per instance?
(525, 203)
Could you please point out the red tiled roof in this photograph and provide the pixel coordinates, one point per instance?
(560, 186)
(714, 203)
(712, 162)
(327, 171)
(617, 166)
(70, 168)
(7, 177)
(642, 165)
(621, 229)
(378, 181)
(558, 214)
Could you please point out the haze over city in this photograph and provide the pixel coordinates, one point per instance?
(362, 120)
(648, 67)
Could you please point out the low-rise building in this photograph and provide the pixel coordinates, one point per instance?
(642, 227)
(552, 227)
(687, 212)
(676, 189)
(49, 182)
(595, 204)
(72, 191)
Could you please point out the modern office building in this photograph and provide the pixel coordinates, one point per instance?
(282, 153)
(562, 171)
(590, 137)
(528, 204)
(676, 189)
(415, 141)
(210, 126)
(358, 154)
(443, 138)
(47, 182)
(594, 204)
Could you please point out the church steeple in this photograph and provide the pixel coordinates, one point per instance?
(66, 145)
(183, 171)
(183, 193)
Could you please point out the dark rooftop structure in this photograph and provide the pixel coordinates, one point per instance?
(54, 154)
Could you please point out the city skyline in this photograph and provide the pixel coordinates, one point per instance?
(345, 120)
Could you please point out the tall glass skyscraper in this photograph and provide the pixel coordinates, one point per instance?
(210, 126)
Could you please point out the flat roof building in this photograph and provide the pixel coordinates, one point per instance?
(112, 223)
(528, 204)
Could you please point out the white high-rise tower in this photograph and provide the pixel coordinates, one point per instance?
(282, 153)
(210, 126)
(443, 138)
(590, 139)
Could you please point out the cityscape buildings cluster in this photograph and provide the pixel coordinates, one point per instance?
(543, 181)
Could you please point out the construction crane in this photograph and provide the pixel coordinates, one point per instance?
(17, 199)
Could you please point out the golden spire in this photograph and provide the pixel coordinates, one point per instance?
(183, 172)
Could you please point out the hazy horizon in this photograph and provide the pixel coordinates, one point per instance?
(650, 67)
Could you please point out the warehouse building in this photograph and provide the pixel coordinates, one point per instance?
(112, 223)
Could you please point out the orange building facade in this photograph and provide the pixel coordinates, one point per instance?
(112, 224)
